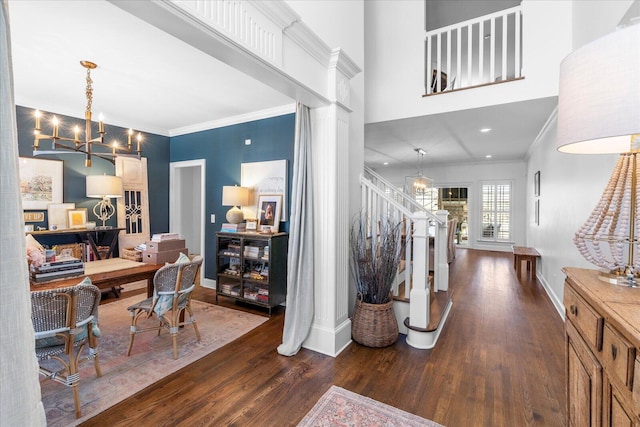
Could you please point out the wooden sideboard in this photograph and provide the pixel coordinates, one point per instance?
(97, 236)
(602, 351)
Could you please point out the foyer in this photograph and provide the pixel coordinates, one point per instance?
(498, 362)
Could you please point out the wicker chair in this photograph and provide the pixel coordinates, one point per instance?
(65, 320)
(173, 286)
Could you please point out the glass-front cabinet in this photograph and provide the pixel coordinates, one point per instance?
(252, 268)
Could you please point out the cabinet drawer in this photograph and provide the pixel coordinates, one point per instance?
(618, 356)
(584, 318)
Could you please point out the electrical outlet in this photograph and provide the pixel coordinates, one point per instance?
(213, 218)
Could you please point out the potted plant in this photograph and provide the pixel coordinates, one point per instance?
(375, 260)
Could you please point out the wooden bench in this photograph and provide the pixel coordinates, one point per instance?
(523, 253)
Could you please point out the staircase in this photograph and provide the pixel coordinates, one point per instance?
(422, 299)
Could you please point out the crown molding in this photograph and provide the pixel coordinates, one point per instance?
(229, 121)
(302, 35)
(343, 63)
(279, 12)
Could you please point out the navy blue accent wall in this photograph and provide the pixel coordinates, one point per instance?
(155, 149)
(224, 151)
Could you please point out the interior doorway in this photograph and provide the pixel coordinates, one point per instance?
(456, 201)
(187, 205)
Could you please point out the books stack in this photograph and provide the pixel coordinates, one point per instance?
(263, 295)
(232, 249)
(62, 267)
(161, 237)
(254, 252)
(265, 253)
(230, 289)
(233, 228)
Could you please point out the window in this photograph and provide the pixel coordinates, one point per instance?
(496, 211)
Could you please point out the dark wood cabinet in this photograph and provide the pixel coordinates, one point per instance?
(252, 268)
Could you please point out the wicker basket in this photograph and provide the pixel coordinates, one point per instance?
(131, 254)
(374, 325)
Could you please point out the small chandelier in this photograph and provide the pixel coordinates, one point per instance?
(421, 183)
(88, 145)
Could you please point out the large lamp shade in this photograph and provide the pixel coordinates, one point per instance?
(599, 95)
(104, 186)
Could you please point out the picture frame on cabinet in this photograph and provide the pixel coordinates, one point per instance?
(269, 210)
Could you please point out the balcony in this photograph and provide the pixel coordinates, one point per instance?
(474, 53)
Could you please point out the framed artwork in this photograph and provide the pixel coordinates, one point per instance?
(536, 184)
(57, 215)
(265, 178)
(537, 212)
(252, 224)
(77, 218)
(269, 209)
(40, 182)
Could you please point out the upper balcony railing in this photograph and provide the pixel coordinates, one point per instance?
(475, 52)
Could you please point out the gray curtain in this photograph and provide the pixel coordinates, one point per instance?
(20, 403)
(299, 311)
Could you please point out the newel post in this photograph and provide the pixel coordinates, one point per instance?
(419, 296)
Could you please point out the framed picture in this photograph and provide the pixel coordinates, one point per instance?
(269, 209)
(536, 184)
(252, 224)
(77, 218)
(40, 182)
(265, 178)
(537, 212)
(57, 215)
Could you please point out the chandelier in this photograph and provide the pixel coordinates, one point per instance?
(90, 147)
(421, 183)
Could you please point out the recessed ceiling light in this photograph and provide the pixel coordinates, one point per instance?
(385, 163)
(485, 130)
(488, 156)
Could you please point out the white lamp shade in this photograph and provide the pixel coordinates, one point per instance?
(235, 196)
(104, 186)
(599, 95)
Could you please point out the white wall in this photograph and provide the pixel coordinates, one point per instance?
(395, 60)
(341, 24)
(571, 185)
(471, 176)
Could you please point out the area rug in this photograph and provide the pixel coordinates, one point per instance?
(340, 407)
(151, 358)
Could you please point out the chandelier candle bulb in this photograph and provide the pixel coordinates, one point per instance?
(101, 124)
(37, 121)
(55, 128)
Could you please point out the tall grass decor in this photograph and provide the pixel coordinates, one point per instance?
(375, 256)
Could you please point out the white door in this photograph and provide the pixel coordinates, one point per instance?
(133, 207)
(187, 204)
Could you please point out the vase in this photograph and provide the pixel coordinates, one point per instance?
(374, 325)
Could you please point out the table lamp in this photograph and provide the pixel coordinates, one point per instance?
(599, 112)
(235, 196)
(104, 187)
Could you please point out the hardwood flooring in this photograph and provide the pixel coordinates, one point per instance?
(499, 362)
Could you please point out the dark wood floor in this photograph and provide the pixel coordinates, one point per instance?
(498, 362)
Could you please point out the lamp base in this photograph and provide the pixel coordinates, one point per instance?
(235, 215)
(615, 278)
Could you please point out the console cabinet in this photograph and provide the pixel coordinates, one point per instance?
(602, 351)
(252, 268)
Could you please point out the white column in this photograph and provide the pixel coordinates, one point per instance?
(331, 329)
(419, 296)
(441, 267)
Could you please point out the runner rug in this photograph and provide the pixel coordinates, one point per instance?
(151, 358)
(340, 407)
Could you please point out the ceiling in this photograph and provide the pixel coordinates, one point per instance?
(154, 82)
(145, 77)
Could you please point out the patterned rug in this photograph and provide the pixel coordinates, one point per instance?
(340, 407)
(151, 358)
